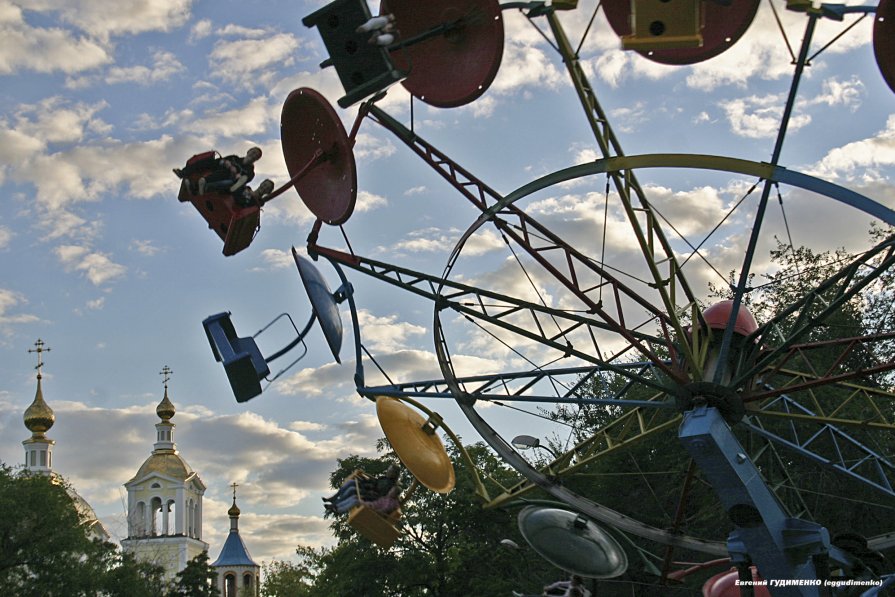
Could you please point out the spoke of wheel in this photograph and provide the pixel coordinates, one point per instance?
(654, 246)
(502, 311)
(562, 261)
(877, 405)
(832, 294)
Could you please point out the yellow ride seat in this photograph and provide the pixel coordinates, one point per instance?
(377, 528)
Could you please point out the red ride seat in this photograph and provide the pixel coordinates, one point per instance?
(235, 224)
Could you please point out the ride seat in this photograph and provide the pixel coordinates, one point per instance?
(242, 359)
(664, 24)
(234, 223)
(381, 530)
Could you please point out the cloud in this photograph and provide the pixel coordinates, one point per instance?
(436, 240)
(840, 93)
(370, 147)
(200, 30)
(57, 120)
(5, 237)
(45, 50)
(164, 66)
(272, 477)
(11, 301)
(247, 62)
(386, 334)
(758, 117)
(845, 161)
(145, 247)
(128, 17)
(97, 267)
(367, 201)
(252, 119)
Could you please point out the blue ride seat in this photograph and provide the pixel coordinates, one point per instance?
(243, 362)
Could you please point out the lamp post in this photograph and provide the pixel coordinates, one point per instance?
(527, 442)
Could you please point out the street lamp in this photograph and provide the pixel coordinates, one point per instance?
(527, 442)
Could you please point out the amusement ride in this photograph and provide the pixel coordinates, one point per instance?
(766, 409)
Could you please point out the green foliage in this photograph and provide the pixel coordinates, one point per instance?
(288, 579)
(46, 549)
(196, 579)
(450, 546)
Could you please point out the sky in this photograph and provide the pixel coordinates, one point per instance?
(100, 260)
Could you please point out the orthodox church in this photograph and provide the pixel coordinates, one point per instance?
(39, 418)
(164, 505)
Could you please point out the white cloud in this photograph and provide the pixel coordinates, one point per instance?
(367, 201)
(840, 93)
(55, 120)
(11, 301)
(386, 334)
(97, 267)
(252, 119)
(245, 61)
(759, 117)
(45, 50)
(164, 66)
(5, 237)
(145, 247)
(200, 30)
(129, 16)
(369, 147)
(433, 239)
(277, 259)
(874, 152)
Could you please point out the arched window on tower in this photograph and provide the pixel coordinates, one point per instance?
(197, 521)
(248, 583)
(138, 520)
(156, 506)
(189, 518)
(230, 585)
(171, 518)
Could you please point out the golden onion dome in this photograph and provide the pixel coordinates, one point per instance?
(39, 416)
(165, 408)
(165, 463)
(233, 512)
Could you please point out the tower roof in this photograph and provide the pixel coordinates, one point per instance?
(167, 464)
(39, 417)
(234, 552)
(164, 459)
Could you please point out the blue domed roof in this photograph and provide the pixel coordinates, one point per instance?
(234, 552)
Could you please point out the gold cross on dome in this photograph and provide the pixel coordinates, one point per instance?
(39, 350)
(166, 371)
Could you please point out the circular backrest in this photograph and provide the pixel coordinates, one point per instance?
(884, 41)
(309, 123)
(322, 301)
(570, 542)
(454, 68)
(420, 451)
(723, 26)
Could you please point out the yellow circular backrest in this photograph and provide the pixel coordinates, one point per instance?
(420, 451)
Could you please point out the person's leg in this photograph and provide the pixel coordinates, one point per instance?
(347, 504)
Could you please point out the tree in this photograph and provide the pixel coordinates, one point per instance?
(287, 579)
(450, 546)
(46, 549)
(126, 577)
(196, 579)
(645, 479)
